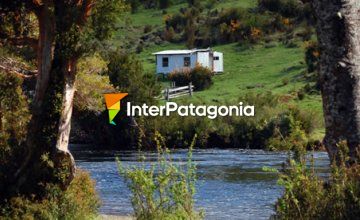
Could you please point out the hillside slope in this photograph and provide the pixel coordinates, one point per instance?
(259, 68)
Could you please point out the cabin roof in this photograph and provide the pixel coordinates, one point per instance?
(178, 52)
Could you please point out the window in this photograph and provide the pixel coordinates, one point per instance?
(187, 61)
(216, 58)
(165, 61)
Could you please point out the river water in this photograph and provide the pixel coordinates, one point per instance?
(231, 185)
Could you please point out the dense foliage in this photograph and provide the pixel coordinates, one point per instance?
(126, 75)
(14, 117)
(91, 84)
(197, 28)
(36, 165)
(288, 8)
(276, 126)
(79, 201)
(308, 196)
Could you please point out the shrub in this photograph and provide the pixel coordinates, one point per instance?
(126, 75)
(169, 34)
(306, 34)
(311, 55)
(285, 81)
(79, 201)
(229, 25)
(195, 3)
(290, 44)
(301, 94)
(307, 196)
(288, 135)
(91, 84)
(287, 8)
(14, 117)
(147, 28)
(165, 190)
(134, 5)
(200, 77)
(180, 77)
(164, 3)
(291, 129)
(310, 88)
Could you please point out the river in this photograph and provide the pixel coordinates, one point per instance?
(231, 185)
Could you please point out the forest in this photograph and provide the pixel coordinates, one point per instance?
(295, 62)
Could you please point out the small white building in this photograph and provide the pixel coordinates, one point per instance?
(168, 61)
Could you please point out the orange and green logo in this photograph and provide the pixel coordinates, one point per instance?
(113, 104)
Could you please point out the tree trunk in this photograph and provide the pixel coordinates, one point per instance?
(62, 151)
(338, 30)
(47, 158)
(44, 56)
(35, 140)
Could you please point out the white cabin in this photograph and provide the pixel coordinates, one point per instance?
(168, 61)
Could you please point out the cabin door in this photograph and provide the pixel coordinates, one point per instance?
(211, 61)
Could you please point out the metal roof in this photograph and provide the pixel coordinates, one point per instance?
(174, 52)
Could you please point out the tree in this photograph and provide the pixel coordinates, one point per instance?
(195, 3)
(126, 74)
(67, 30)
(134, 5)
(164, 4)
(338, 30)
(191, 15)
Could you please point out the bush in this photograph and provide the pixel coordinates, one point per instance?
(289, 134)
(180, 77)
(164, 4)
(126, 75)
(301, 94)
(147, 28)
(165, 190)
(312, 55)
(91, 84)
(285, 81)
(14, 117)
(79, 201)
(195, 3)
(275, 127)
(200, 77)
(307, 196)
(287, 8)
(290, 43)
(134, 5)
(229, 25)
(169, 34)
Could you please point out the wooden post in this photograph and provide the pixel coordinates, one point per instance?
(190, 89)
(167, 94)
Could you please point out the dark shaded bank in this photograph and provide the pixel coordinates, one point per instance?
(273, 128)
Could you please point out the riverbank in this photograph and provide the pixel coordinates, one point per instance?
(115, 217)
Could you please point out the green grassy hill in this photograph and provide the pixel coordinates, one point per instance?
(257, 69)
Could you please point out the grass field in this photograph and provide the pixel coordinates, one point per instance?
(256, 69)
